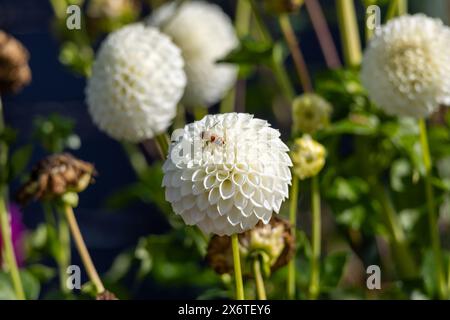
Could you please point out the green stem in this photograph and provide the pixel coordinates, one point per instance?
(400, 249)
(180, 118)
(281, 75)
(162, 141)
(314, 286)
(259, 280)
(3, 150)
(64, 254)
(431, 208)
(227, 104)
(293, 221)
(82, 250)
(237, 267)
(8, 249)
(278, 68)
(265, 34)
(243, 15)
(348, 27)
(294, 48)
(396, 7)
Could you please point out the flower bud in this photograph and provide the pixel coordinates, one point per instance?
(273, 242)
(14, 70)
(310, 112)
(308, 157)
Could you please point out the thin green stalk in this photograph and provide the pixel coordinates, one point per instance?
(3, 151)
(396, 7)
(431, 208)
(199, 112)
(259, 280)
(401, 253)
(294, 48)
(243, 15)
(293, 221)
(64, 252)
(162, 141)
(237, 267)
(82, 250)
(62, 256)
(227, 104)
(180, 118)
(314, 286)
(281, 75)
(278, 68)
(260, 22)
(8, 249)
(348, 27)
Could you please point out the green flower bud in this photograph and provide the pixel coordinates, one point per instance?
(308, 157)
(310, 112)
(273, 243)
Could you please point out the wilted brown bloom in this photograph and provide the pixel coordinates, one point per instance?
(14, 70)
(282, 6)
(275, 240)
(106, 295)
(54, 176)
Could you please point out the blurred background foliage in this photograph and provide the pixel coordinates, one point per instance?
(141, 248)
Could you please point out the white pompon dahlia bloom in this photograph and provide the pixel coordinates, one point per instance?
(406, 67)
(205, 34)
(137, 81)
(226, 172)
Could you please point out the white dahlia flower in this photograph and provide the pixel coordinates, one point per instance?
(226, 172)
(137, 81)
(406, 67)
(204, 34)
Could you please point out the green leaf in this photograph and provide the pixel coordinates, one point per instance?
(428, 273)
(332, 269)
(19, 160)
(41, 273)
(30, 284)
(352, 217)
(6, 289)
(250, 53)
(399, 170)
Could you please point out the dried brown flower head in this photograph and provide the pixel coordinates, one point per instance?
(56, 175)
(274, 239)
(106, 295)
(14, 70)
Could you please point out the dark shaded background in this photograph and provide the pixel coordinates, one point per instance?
(55, 89)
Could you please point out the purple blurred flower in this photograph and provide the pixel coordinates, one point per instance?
(18, 232)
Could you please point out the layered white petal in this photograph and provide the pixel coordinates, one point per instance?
(226, 189)
(137, 81)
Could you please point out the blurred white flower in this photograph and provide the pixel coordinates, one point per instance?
(137, 81)
(406, 67)
(226, 172)
(204, 34)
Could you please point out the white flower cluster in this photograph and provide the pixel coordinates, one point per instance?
(406, 67)
(238, 176)
(137, 81)
(205, 34)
